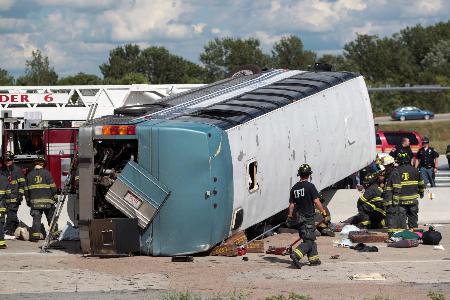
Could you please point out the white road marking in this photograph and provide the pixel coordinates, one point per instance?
(30, 271)
(34, 253)
(394, 261)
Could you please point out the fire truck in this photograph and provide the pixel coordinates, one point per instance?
(44, 120)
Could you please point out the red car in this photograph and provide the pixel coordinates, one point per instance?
(386, 140)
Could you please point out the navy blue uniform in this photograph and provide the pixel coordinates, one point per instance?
(303, 194)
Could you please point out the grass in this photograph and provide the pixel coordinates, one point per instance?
(290, 297)
(437, 131)
(188, 296)
(435, 295)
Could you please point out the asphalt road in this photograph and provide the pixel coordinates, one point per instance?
(437, 118)
(405, 274)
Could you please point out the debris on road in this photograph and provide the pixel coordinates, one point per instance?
(182, 258)
(347, 229)
(361, 247)
(404, 244)
(367, 237)
(282, 250)
(370, 276)
(344, 243)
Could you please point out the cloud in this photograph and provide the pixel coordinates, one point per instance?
(416, 8)
(6, 4)
(13, 24)
(266, 38)
(77, 3)
(78, 34)
(315, 16)
(16, 48)
(142, 19)
(198, 28)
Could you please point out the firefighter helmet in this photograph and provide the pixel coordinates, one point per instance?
(304, 170)
(372, 177)
(9, 156)
(40, 160)
(388, 160)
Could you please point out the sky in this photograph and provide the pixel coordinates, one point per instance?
(78, 35)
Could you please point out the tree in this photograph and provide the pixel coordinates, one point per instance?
(439, 56)
(338, 62)
(384, 60)
(80, 79)
(420, 40)
(289, 53)
(133, 78)
(154, 64)
(122, 60)
(5, 78)
(220, 56)
(38, 71)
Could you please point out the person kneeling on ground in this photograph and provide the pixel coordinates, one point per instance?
(303, 197)
(370, 204)
(323, 224)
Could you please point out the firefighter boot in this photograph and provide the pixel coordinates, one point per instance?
(3, 245)
(35, 237)
(314, 260)
(296, 256)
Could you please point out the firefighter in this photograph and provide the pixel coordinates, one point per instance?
(323, 224)
(5, 194)
(371, 212)
(404, 147)
(412, 186)
(427, 162)
(41, 196)
(17, 184)
(303, 197)
(391, 194)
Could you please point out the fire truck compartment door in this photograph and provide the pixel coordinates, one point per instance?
(138, 194)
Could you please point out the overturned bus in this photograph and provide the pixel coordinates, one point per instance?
(204, 164)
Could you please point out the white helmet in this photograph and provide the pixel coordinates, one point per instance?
(388, 160)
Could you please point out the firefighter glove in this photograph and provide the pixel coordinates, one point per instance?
(326, 217)
(421, 194)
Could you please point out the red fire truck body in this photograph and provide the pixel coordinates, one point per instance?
(44, 121)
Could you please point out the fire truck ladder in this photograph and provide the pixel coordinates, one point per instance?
(59, 206)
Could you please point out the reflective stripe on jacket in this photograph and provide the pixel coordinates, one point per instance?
(412, 184)
(373, 196)
(41, 189)
(392, 189)
(17, 181)
(5, 192)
